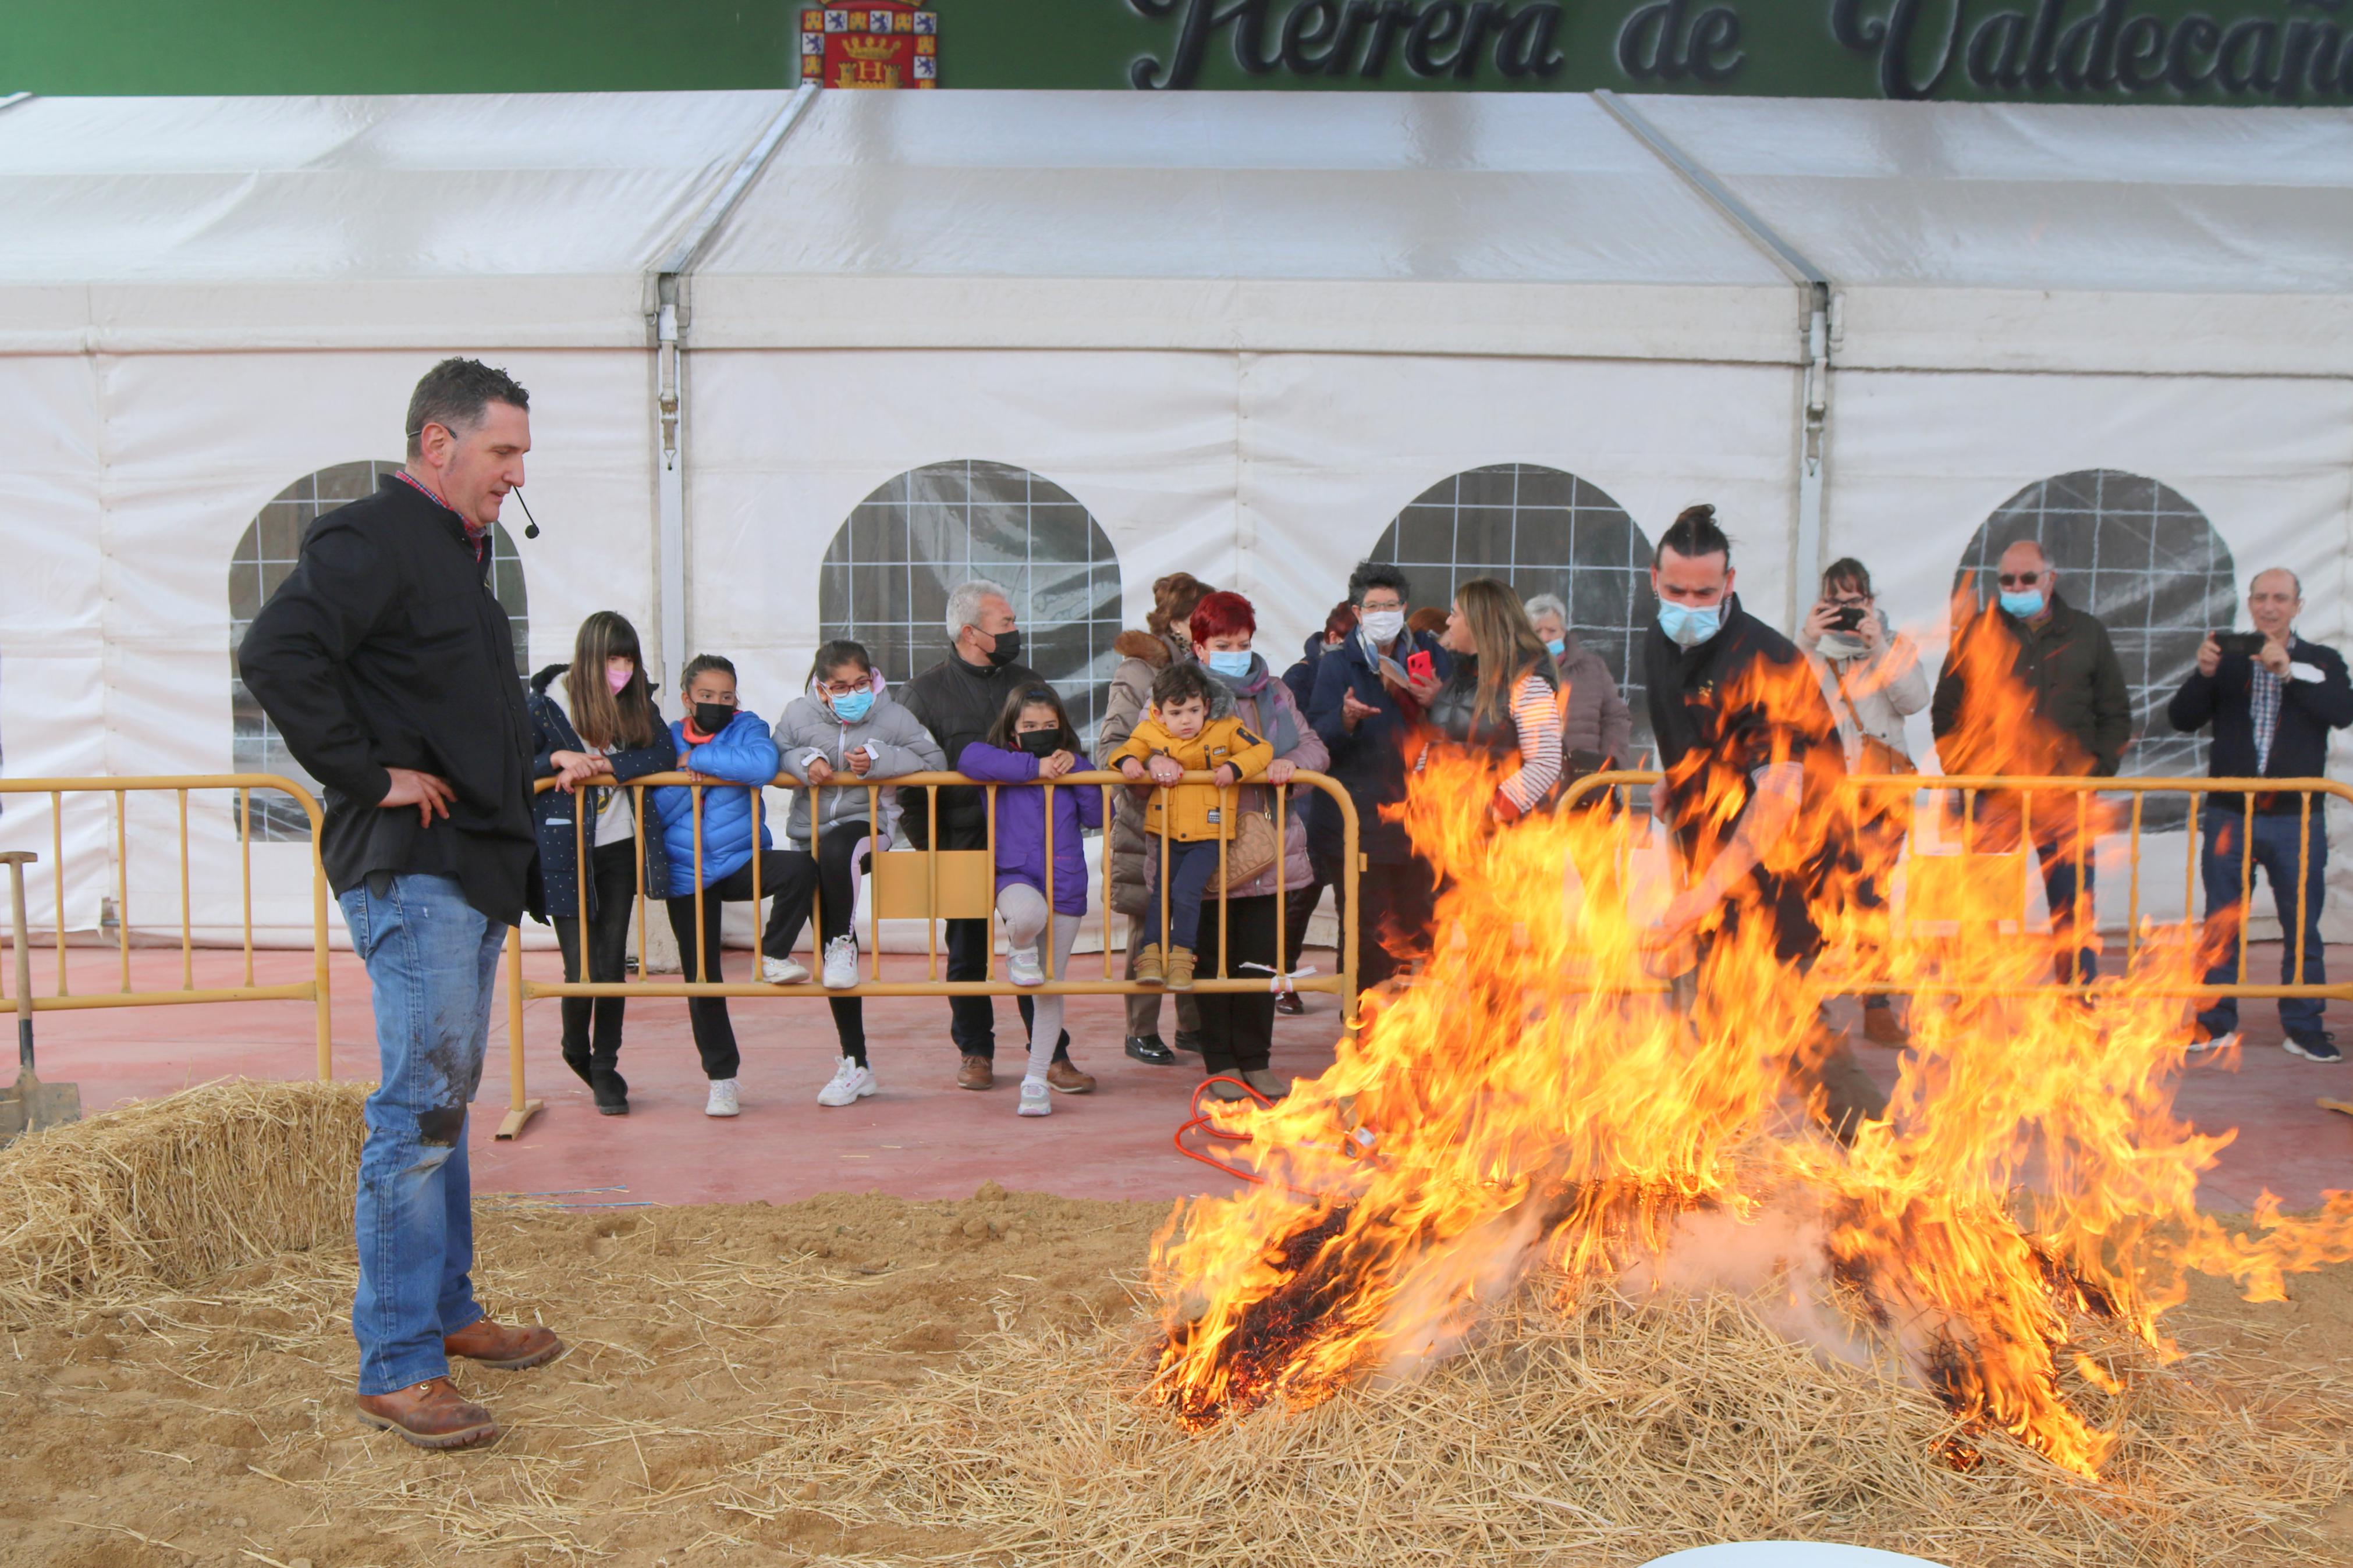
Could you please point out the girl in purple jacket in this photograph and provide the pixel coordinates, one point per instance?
(1032, 739)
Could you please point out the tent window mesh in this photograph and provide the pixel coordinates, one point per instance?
(265, 553)
(2136, 553)
(886, 576)
(1542, 531)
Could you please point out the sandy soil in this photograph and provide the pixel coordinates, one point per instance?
(213, 1427)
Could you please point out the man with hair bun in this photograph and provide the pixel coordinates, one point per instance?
(1750, 762)
(387, 664)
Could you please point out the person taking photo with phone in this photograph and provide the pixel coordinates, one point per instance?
(2272, 698)
(1872, 678)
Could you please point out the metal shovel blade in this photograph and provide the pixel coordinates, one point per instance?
(34, 1106)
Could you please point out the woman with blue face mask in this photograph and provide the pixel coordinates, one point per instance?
(1238, 1030)
(845, 734)
(1598, 729)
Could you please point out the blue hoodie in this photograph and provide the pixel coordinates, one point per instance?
(743, 753)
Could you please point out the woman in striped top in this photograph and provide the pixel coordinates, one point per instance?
(1502, 698)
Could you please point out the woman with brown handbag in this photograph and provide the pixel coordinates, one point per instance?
(1872, 677)
(1238, 1027)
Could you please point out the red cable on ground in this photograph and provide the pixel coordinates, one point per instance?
(1200, 1120)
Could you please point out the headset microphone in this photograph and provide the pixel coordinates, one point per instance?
(532, 531)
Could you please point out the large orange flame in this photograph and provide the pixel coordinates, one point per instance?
(1532, 1096)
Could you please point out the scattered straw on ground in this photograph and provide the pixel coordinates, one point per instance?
(866, 1380)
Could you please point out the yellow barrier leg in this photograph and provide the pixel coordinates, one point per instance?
(519, 1109)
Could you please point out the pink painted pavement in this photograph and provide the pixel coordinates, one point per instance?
(922, 1137)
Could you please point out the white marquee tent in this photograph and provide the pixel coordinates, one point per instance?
(1079, 340)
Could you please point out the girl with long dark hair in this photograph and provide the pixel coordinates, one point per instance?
(591, 731)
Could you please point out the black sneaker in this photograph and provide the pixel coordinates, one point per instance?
(1189, 1040)
(2319, 1047)
(1149, 1050)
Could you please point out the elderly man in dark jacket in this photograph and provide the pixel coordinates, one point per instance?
(957, 699)
(1368, 694)
(2271, 706)
(2078, 721)
(386, 665)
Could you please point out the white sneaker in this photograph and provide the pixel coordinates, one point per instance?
(2200, 1042)
(782, 971)
(1021, 968)
(1035, 1100)
(841, 965)
(851, 1083)
(723, 1100)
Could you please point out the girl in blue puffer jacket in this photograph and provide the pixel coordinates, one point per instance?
(727, 745)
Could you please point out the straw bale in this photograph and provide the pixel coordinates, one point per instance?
(164, 1193)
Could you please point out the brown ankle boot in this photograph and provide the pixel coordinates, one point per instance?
(431, 1415)
(1180, 969)
(1148, 971)
(508, 1350)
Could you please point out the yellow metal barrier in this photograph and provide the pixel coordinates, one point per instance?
(314, 990)
(948, 884)
(1981, 866)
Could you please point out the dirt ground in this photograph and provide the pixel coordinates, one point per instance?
(213, 1427)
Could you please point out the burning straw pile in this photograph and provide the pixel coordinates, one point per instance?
(164, 1193)
(1573, 1428)
(1532, 1101)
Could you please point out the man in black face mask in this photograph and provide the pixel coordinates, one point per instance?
(957, 699)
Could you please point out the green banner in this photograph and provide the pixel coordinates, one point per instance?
(2083, 51)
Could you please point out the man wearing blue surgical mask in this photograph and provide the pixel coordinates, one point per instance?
(1751, 758)
(2045, 695)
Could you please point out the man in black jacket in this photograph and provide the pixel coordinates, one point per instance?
(2078, 721)
(958, 699)
(1751, 769)
(2271, 709)
(387, 666)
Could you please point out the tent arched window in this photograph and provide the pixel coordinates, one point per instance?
(886, 575)
(2139, 555)
(1542, 531)
(265, 553)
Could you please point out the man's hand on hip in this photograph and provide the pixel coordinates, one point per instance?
(428, 792)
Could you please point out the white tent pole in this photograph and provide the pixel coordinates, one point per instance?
(1806, 560)
(669, 374)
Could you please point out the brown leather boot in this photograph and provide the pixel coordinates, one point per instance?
(431, 1415)
(1148, 971)
(508, 1350)
(1064, 1078)
(977, 1072)
(1180, 969)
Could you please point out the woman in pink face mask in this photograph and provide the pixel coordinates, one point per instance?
(591, 731)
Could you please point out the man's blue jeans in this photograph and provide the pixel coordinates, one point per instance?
(2280, 863)
(433, 962)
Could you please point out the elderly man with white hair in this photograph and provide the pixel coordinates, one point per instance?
(957, 699)
(1596, 720)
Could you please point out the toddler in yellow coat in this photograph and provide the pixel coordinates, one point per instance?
(1180, 736)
